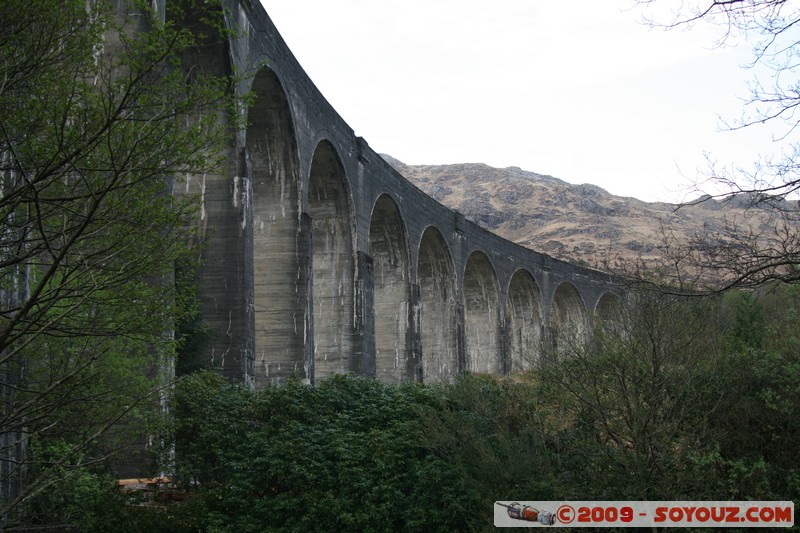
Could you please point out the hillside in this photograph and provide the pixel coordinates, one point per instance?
(580, 223)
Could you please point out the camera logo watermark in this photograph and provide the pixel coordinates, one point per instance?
(644, 514)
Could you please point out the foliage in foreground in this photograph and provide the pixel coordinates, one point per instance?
(97, 123)
(682, 399)
(352, 454)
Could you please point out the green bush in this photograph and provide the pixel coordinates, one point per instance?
(671, 406)
(357, 455)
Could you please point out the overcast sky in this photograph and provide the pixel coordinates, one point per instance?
(580, 89)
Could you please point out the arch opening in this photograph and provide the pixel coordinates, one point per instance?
(609, 314)
(481, 316)
(435, 275)
(568, 324)
(391, 291)
(524, 306)
(279, 296)
(333, 266)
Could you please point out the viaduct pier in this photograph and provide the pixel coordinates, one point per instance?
(320, 258)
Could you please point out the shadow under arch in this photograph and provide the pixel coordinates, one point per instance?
(482, 315)
(609, 314)
(388, 248)
(333, 266)
(435, 274)
(525, 321)
(279, 293)
(568, 321)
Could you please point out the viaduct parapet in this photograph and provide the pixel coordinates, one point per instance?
(320, 258)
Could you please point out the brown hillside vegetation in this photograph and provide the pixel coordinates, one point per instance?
(579, 223)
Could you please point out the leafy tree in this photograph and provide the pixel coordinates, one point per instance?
(681, 398)
(498, 435)
(98, 119)
(757, 419)
(634, 401)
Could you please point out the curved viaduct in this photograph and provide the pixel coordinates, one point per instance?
(320, 258)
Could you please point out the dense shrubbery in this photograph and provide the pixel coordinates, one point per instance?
(355, 454)
(689, 400)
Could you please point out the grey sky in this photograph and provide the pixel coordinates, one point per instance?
(580, 90)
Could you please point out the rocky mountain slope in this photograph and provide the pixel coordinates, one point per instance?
(579, 223)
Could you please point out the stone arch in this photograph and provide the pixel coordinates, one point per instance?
(279, 295)
(333, 265)
(435, 275)
(609, 313)
(568, 323)
(525, 320)
(391, 290)
(482, 316)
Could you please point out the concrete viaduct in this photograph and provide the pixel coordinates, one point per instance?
(320, 258)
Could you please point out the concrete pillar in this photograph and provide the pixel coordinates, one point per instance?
(460, 334)
(364, 326)
(504, 344)
(414, 362)
(305, 251)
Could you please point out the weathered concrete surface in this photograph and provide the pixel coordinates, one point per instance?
(569, 321)
(524, 321)
(438, 323)
(482, 318)
(392, 291)
(321, 259)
